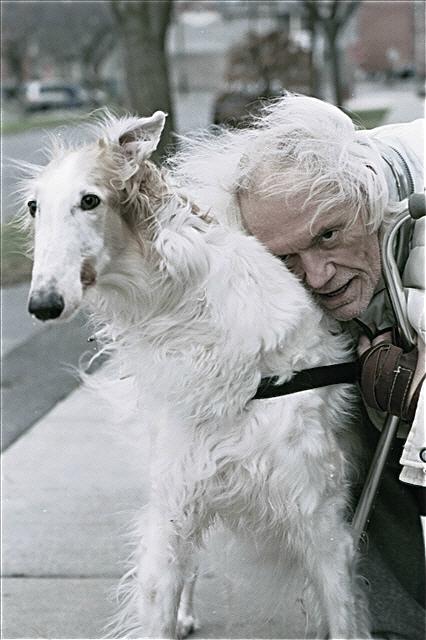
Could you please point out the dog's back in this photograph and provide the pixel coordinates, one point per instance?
(273, 470)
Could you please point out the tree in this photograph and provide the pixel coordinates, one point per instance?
(142, 28)
(64, 40)
(19, 36)
(271, 62)
(331, 17)
(56, 35)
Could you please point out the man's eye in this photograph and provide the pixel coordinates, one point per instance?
(329, 235)
(89, 201)
(32, 207)
(289, 260)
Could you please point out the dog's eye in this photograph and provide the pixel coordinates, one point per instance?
(32, 207)
(89, 201)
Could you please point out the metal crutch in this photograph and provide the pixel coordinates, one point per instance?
(415, 208)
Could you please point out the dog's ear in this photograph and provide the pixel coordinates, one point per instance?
(141, 137)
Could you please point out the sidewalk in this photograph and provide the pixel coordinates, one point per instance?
(72, 484)
(400, 99)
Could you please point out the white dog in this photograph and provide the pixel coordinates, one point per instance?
(197, 312)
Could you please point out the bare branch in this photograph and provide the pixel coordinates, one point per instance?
(348, 8)
(334, 9)
(312, 8)
(117, 10)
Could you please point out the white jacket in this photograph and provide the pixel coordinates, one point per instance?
(408, 140)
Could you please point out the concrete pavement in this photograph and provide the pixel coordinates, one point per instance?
(401, 100)
(38, 365)
(72, 484)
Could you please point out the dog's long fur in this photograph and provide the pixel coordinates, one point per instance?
(196, 313)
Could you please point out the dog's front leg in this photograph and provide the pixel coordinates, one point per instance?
(162, 566)
(187, 622)
(328, 554)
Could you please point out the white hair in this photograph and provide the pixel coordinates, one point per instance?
(298, 146)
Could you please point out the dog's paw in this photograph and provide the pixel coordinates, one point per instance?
(185, 626)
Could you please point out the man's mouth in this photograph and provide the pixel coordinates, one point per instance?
(336, 292)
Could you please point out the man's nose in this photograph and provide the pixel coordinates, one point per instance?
(317, 270)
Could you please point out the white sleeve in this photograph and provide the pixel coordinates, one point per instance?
(413, 280)
(413, 456)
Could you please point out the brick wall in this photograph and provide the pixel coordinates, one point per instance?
(382, 27)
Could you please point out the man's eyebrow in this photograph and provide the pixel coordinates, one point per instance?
(324, 228)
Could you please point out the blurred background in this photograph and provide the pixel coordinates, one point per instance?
(203, 62)
(208, 61)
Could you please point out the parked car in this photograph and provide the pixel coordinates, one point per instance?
(41, 96)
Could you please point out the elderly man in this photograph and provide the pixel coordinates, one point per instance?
(325, 220)
(318, 193)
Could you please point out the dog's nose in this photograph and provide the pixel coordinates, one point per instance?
(46, 306)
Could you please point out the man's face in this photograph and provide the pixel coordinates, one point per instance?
(341, 267)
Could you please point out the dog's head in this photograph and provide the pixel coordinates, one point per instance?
(81, 205)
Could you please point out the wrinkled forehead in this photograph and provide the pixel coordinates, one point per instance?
(277, 218)
(302, 196)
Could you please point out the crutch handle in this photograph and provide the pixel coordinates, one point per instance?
(417, 205)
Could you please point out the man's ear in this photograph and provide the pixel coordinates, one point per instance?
(138, 137)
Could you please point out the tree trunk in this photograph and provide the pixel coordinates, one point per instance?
(315, 76)
(142, 27)
(15, 57)
(331, 32)
(336, 69)
(331, 17)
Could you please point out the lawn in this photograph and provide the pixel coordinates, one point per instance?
(368, 118)
(22, 122)
(42, 121)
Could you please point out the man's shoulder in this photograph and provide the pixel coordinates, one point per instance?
(399, 130)
(407, 138)
(404, 135)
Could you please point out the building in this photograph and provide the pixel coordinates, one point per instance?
(390, 37)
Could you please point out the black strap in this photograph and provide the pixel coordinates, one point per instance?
(346, 372)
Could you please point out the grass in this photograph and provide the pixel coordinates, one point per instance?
(48, 119)
(16, 266)
(368, 118)
(37, 122)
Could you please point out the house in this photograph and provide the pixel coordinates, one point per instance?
(390, 38)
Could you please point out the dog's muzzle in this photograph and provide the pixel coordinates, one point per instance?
(46, 306)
